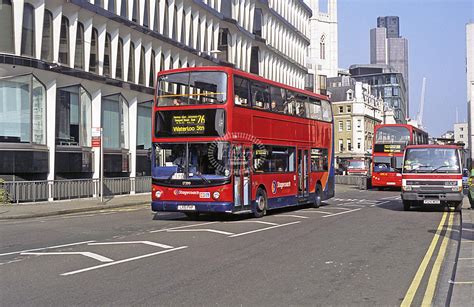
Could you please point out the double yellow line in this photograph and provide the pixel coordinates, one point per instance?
(433, 279)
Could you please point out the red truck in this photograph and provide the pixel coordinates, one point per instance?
(432, 175)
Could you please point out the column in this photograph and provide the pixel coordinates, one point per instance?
(132, 116)
(96, 122)
(51, 130)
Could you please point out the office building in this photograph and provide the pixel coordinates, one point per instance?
(69, 66)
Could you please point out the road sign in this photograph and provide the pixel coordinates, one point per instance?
(96, 132)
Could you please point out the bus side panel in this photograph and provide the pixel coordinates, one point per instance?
(281, 189)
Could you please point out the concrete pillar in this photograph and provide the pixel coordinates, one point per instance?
(51, 127)
(96, 122)
(132, 115)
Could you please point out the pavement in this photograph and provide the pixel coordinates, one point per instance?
(51, 208)
(463, 280)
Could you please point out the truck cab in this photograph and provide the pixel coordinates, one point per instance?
(432, 175)
(357, 167)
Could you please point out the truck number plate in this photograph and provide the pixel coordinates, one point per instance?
(431, 201)
(187, 207)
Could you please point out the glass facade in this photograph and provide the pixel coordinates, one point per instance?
(6, 24)
(28, 31)
(22, 110)
(115, 122)
(47, 40)
(73, 117)
(144, 125)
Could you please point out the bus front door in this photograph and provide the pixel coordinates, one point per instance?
(242, 157)
(303, 172)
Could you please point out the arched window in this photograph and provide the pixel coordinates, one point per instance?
(198, 41)
(124, 9)
(135, 10)
(205, 38)
(6, 24)
(79, 55)
(146, 15)
(28, 31)
(131, 63)
(47, 40)
(141, 76)
(107, 56)
(171, 63)
(111, 7)
(119, 68)
(115, 122)
(166, 30)
(94, 51)
(156, 23)
(152, 77)
(162, 62)
(175, 24)
(64, 41)
(99, 3)
(322, 48)
(191, 32)
(183, 28)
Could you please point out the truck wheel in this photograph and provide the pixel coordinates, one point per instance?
(317, 197)
(260, 204)
(406, 205)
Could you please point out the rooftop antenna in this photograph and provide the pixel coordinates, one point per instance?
(419, 118)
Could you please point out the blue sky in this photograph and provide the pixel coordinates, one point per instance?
(436, 36)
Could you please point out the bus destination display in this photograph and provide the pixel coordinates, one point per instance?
(389, 148)
(188, 124)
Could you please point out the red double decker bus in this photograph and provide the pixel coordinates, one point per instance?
(232, 142)
(387, 152)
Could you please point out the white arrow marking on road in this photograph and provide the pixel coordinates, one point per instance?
(132, 242)
(87, 254)
(49, 247)
(256, 222)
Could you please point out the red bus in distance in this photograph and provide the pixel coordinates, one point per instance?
(387, 152)
(232, 142)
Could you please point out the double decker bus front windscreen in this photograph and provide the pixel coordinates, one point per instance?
(391, 139)
(192, 88)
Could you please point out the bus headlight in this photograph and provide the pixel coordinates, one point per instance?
(216, 195)
(158, 194)
(407, 188)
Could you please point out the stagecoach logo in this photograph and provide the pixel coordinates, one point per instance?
(185, 193)
(279, 185)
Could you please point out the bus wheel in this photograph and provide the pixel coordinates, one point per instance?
(406, 205)
(318, 197)
(192, 215)
(260, 203)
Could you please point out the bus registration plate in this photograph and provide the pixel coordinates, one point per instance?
(431, 201)
(187, 207)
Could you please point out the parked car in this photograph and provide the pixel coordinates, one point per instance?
(357, 167)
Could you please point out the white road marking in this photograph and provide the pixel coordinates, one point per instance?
(391, 197)
(351, 205)
(342, 212)
(337, 208)
(292, 215)
(181, 227)
(49, 247)
(122, 261)
(316, 211)
(465, 258)
(201, 230)
(256, 222)
(132, 242)
(263, 229)
(382, 203)
(87, 254)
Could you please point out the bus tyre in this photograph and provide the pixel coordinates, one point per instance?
(260, 203)
(318, 196)
(192, 215)
(406, 205)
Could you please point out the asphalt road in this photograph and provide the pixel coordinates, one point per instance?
(358, 249)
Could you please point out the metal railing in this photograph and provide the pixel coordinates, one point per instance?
(44, 190)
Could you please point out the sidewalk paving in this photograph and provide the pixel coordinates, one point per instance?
(40, 209)
(463, 283)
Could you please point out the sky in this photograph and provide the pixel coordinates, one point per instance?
(436, 35)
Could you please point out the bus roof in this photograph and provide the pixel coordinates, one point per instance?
(433, 146)
(242, 73)
(378, 126)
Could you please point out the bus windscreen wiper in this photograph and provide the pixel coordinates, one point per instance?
(202, 177)
(440, 167)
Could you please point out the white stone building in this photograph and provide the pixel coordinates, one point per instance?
(323, 51)
(68, 66)
(461, 133)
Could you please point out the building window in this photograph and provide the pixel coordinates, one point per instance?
(461, 136)
(175, 24)
(28, 31)
(6, 23)
(111, 6)
(107, 55)
(254, 60)
(135, 10)
(166, 30)
(115, 122)
(359, 123)
(73, 117)
(349, 95)
(124, 9)
(119, 67)
(341, 109)
(349, 109)
(341, 126)
(348, 125)
(151, 81)
(156, 21)
(144, 125)
(99, 3)
(396, 91)
(322, 48)
(94, 51)
(22, 110)
(341, 146)
(349, 145)
(79, 55)
(141, 76)
(64, 41)
(131, 63)
(358, 145)
(47, 39)
(191, 33)
(257, 22)
(146, 15)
